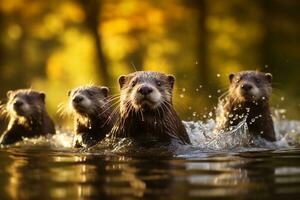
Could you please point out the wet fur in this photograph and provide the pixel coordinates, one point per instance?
(95, 121)
(159, 124)
(233, 107)
(36, 122)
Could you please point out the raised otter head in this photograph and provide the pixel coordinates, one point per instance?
(250, 86)
(146, 110)
(25, 103)
(146, 90)
(88, 100)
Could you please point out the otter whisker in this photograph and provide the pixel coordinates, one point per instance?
(63, 110)
(108, 108)
(112, 115)
(141, 112)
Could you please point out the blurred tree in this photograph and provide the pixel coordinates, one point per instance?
(56, 45)
(92, 9)
(267, 38)
(202, 39)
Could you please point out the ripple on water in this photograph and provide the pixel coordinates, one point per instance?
(202, 134)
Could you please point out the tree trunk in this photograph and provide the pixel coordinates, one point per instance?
(201, 58)
(266, 43)
(92, 10)
(203, 42)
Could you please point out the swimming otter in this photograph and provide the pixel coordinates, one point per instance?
(146, 110)
(27, 116)
(248, 96)
(92, 114)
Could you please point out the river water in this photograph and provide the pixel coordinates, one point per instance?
(230, 166)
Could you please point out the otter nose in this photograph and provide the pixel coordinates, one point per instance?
(145, 90)
(18, 103)
(247, 87)
(78, 99)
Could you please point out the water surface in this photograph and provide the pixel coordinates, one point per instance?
(211, 168)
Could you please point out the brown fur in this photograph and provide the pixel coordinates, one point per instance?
(92, 121)
(254, 105)
(145, 121)
(30, 122)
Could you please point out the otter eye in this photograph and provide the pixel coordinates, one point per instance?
(91, 93)
(158, 83)
(133, 83)
(257, 80)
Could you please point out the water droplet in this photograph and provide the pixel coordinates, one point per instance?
(204, 116)
(194, 114)
(282, 98)
(253, 120)
(200, 86)
(197, 90)
(218, 91)
(266, 66)
(210, 114)
(209, 96)
(263, 98)
(218, 75)
(190, 108)
(196, 62)
(183, 89)
(261, 132)
(181, 95)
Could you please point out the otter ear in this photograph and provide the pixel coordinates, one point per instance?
(269, 77)
(122, 80)
(42, 96)
(9, 93)
(231, 76)
(171, 80)
(105, 91)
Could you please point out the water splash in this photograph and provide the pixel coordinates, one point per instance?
(204, 136)
(62, 139)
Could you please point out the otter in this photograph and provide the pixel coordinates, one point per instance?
(248, 96)
(27, 116)
(91, 109)
(146, 110)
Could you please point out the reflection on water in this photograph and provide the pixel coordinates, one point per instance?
(212, 167)
(35, 173)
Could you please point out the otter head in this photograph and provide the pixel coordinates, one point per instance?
(250, 86)
(143, 91)
(88, 100)
(25, 103)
